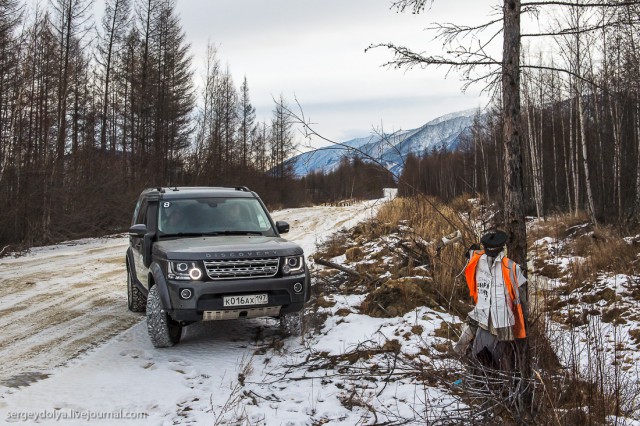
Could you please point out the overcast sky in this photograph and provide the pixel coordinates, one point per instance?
(313, 50)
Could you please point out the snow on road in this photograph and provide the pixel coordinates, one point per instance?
(57, 304)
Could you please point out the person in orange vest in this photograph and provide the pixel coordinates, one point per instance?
(498, 288)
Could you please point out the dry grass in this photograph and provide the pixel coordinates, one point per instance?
(614, 255)
(397, 297)
(335, 245)
(604, 251)
(462, 204)
(558, 226)
(413, 219)
(601, 248)
(583, 306)
(425, 216)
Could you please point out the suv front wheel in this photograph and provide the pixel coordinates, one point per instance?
(136, 300)
(163, 331)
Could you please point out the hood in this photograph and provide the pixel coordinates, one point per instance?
(225, 247)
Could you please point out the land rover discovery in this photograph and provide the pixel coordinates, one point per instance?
(204, 253)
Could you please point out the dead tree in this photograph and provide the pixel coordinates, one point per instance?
(476, 65)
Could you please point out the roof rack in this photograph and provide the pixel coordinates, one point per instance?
(242, 188)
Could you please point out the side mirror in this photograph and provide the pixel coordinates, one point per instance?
(139, 230)
(283, 227)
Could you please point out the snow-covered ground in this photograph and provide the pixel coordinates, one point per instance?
(72, 350)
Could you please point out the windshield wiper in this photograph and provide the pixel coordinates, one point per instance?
(210, 234)
(184, 234)
(239, 233)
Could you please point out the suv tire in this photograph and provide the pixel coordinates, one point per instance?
(163, 331)
(136, 300)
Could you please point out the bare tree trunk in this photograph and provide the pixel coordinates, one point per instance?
(575, 172)
(513, 188)
(637, 133)
(485, 169)
(65, 49)
(566, 150)
(475, 164)
(556, 166)
(585, 157)
(616, 121)
(515, 225)
(534, 154)
(107, 75)
(540, 154)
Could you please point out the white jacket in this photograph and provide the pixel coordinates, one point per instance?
(494, 303)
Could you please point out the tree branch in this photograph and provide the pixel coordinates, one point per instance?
(407, 57)
(449, 28)
(309, 132)
(573, 31)
(564, 3)
(417, 5)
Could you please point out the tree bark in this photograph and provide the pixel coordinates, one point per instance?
(535, 154)
(585, 157)
(513, 184)
(637, 134)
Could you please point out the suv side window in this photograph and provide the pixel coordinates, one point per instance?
(141, 213)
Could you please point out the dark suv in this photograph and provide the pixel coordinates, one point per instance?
(210, 254)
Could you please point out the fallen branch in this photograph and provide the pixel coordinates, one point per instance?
(415, 252)
(344, 269)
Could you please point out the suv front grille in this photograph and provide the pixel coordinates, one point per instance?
(242, 268)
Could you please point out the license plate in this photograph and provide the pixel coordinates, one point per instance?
(249, 299)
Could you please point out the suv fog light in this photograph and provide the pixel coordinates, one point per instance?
(297, 287)
(195, 274)
(185, 293)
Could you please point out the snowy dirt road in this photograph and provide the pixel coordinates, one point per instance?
(58, 302)
(68, 344)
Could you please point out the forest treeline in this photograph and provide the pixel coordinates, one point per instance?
(581, 126)
(93, 112)
(354, 178)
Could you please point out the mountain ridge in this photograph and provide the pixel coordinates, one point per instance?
(391, 149)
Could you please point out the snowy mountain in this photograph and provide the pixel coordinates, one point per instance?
(389, 149)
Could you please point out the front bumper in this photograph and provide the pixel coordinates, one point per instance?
(207, 297)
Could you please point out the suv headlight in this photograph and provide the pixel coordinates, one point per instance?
(184, 271)
(293, 265)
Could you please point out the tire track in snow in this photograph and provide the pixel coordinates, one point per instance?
(59, 301)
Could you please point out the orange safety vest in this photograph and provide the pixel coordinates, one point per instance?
(510, 280)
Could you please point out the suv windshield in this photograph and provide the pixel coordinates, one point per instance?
(213, 216)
